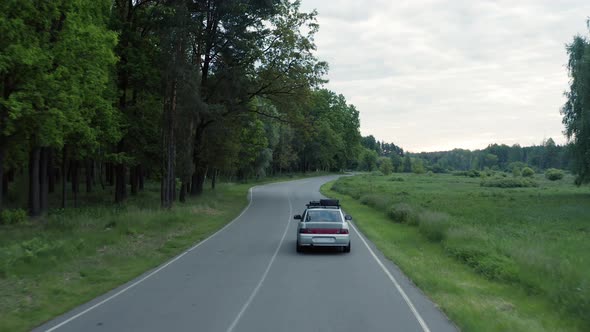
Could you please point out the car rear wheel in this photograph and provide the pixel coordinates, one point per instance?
(347, 248)
(299, 248)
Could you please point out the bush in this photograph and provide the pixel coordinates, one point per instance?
(433, 225)
(386, 166)
(554, 174)
(11, 217)
(508, 183)
(527, 172)
(375, 200)
(401, 212)
(469, 246)
(516, 172)
(398, 179)
(471, 173)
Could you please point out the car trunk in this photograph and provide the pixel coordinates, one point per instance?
(328, 227)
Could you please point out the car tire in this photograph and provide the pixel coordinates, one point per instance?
(299, 248)
(347, 248)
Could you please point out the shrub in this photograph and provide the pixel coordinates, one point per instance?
(516, 172)
(527, 172)
(386, 166)
(469, 246)
(554, 174)
(433, 225)
(11, 217)
(508, 183)
(375, 200)
(398, 179)
(471, 173)
(401, 212)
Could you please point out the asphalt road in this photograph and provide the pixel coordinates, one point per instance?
(248, 277)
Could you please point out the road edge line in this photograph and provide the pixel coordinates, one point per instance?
(394, 281)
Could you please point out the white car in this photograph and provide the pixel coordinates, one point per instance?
(323, 224)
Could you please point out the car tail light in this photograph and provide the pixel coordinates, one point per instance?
(344, 231)
(304, 231)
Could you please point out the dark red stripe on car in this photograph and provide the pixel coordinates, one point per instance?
(323, 231)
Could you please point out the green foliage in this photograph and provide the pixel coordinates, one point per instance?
(418, 166)
(12, 217)
(368, 160)
(407, 167)
(576, 110)
(397, 178)
(471, 173)
(375, 200)
(528, 172)
(402, 213)
(433, 225)
(386, 167)
(554, 174)
(516, 172)
(508, 183)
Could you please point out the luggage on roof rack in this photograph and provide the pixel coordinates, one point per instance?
(325, 203)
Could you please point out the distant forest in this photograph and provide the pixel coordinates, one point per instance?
(494, 157)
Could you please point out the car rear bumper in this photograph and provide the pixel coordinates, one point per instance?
(323, 240)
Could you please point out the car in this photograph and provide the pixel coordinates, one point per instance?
(323, 224)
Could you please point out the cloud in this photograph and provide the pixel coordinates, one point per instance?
(433, 75)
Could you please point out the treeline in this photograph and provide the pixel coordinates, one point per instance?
(113, 92)
(500, 157)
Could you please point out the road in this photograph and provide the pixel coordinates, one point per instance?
(248, 277)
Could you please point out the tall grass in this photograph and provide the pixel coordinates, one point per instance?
(533, 233)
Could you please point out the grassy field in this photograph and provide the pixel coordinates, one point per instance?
(495, 259)
(68, 257)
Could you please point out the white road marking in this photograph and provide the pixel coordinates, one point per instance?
(257, 288)
(394, 281)
(155, 271)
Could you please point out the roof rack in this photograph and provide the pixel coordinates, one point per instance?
(324, 203)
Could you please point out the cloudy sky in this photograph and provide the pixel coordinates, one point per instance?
(434, 75)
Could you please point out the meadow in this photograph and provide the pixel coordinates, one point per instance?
(527, 248)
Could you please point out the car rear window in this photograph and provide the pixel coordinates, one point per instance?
(323, 215)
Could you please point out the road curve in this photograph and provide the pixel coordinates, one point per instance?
(248, 277)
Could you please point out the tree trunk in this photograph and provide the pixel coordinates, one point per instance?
(34, 204)
(44, 179)
(110, 174)
(133, 175)
(64, 172)
(197, 182)
(89, 171)
(100, 180)
(140, 176)
(75, 181)
(169, 146)
(3, 181)
(51, 171)
(213, 179)
(182, 197)
(120, 183)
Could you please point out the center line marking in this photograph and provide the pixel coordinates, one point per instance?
(274, 256)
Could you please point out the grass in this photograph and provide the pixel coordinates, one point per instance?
(494, 259)
(50, 265)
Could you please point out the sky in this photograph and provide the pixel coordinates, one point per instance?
(433, 75)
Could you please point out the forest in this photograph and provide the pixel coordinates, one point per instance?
(116, 93)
